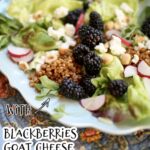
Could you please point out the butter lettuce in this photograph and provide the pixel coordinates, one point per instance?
(22, 9)
(35, 37)
(138, 100)
(49, 6)
(49, 84)
(108, 72)
(8, 27)
(144, 11)
(4, 41)
(107, 8)
(129, 32)
(102, 8)
(134, 104)
(114, 70)
(47, 87)
(116, 109)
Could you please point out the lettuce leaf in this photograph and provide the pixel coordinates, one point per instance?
(111, 5)
(35, 37)
(134, 105)
(43, 93)
(117, 109)
(102, 8)
(20, 10)
(47, 87)
(24, 8)
(129, 32)
(4, 41)
(138, 100)
(108, 72)
(49, 6)
(59, 112)
(144, 12)
(49, 84)
(8, 27)
(135, 102)
(41, 41)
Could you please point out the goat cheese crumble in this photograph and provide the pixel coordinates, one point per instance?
(56, 34)
(61, 12)
(101, 48)
(70, 29)
(121, 18)
(116, 46)
(135, 59)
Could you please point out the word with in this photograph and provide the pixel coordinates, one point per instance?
(19, 109)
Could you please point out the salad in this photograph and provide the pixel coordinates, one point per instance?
(95, 52)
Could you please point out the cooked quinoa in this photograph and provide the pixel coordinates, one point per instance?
(63, 67)
(144, 54)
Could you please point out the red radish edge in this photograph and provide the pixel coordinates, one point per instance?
(141, 75)
(140, 72)
(111, 32)
(91, 104)
(80, 22)
(26, 58)
(13, 51)
(132, 69)
(18, 56)
(124, 41)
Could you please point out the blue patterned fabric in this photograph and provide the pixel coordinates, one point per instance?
(138, 141)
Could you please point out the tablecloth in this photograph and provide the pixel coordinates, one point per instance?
(136, 141)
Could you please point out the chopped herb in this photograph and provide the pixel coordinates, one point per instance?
(63, 39)
(59, 112)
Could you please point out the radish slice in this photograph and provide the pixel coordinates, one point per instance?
(143, 69)
(146, 82)
(124, 41)
(18, 51)
(109, 33)
(80, 22)
(26, 58)
(94, 103)
(130, 71)
(115, 115)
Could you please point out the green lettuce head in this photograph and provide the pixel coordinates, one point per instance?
(22, 9)
(138, 100)
(107, 8)
(108, 72)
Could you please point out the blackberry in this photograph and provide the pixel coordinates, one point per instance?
(86, 5)
(70, 89)
(87, 85)
(96, 21)
(90, 36)
(92, 63)
(79, 52)
(146, 27)
(73, 16)
(117, 88)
